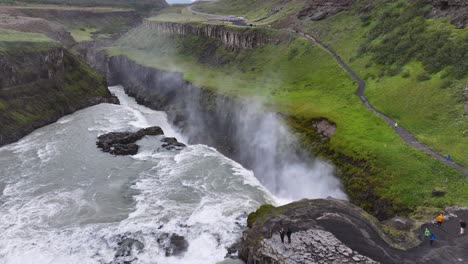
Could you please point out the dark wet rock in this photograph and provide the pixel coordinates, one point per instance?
(127, 250)
(178, 245)
(174, 245)
(123, 143)
(127, 246)
(233, 250)
(124, 149)
(400, 223)
(171, 143)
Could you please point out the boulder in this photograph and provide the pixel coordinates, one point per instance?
(174, 245)
(123, 143)
(127, 245)
(171, 143)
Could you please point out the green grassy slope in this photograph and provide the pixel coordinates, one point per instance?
(304, 82)
(432, 109)
(12, 42)
(394, 49)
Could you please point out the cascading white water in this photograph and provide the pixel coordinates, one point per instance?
(277, 158)
(64, 201)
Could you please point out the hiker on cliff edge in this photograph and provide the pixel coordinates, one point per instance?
(440, 219)
(432, 239)
(462, 226)
(282, 232)
(427, 233)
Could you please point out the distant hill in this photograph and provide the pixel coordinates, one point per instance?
(137, 4)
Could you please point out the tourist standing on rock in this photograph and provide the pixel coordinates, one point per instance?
(440, 219)
(427, 233)
(281, 232)
(288, 233)
(432, 239)
(462, 226)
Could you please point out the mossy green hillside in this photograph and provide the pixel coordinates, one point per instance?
(12, 42)
(380, 172)
(423, 96)
(415, 67)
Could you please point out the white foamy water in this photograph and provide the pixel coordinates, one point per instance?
(65, 201)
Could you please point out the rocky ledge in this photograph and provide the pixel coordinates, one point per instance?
(456, 10)
(321, 9)
(335, 231)
(123, 143)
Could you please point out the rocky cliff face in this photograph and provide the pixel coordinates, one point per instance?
(38, 87)
(321, 9)
(201, 114)
(324, 231)
(334, 231)
(244, 38)
(456, 10)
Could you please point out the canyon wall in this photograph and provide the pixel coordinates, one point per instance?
(39, 86)
(241, 129)
(237, 37)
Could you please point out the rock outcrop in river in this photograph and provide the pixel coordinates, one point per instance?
(123, 143)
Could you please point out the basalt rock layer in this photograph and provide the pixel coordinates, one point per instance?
(244, 38)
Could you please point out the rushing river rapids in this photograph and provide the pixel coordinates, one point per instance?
(64, 201)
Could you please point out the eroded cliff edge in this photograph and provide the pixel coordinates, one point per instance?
(39, 86)
(334, 231)
(235, 37)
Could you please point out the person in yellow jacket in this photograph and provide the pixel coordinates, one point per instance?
(440, 219)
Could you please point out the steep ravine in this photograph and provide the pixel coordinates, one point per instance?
(242, 130)
(214, 119)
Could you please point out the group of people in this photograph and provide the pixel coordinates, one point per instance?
(439, 220)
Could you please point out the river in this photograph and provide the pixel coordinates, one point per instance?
(62, 200)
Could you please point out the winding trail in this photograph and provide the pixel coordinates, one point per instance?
(404, 134)
(409, 138)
